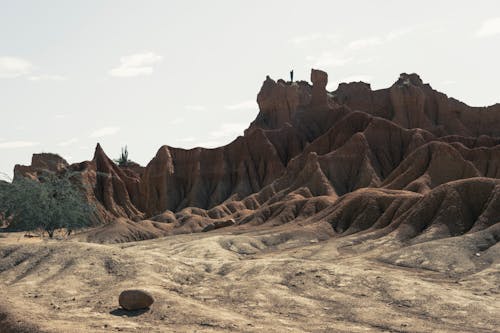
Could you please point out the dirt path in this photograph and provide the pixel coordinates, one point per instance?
(264, 281)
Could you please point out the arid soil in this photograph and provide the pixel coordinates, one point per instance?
(282, 279)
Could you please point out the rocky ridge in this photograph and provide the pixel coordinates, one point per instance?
(406, 161)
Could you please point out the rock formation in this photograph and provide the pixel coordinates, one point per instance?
(41, 163)
(402, 160)
(135, 299)
(319, 79)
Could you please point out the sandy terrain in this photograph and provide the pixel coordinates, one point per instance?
(238, 281)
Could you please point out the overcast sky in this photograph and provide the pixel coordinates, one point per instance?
(186, 73)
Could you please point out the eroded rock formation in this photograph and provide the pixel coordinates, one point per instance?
(357, 158)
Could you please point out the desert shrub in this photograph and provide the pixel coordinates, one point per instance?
(49, 203)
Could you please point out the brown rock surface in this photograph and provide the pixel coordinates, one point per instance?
(135, 299)
(41, 162)
(319, 79)
(304, 146)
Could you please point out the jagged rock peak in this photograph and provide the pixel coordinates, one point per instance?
(98, 151)
(407, 79)
(277, 100)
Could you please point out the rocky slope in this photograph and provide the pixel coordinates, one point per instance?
(406, 161)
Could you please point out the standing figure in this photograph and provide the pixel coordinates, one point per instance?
(291, 75)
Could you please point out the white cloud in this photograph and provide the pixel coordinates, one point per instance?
(448, 82)
(130, 71)
(67, 142)
(395, 34)
(136, 65)
(218, 137)
(208, 144)
(14, 67)
(105, 131)
(356, 78)
(313, 37)
(187, 139)
(177, 121)
(379, 40)
(11, 67)
(228, 130)
(362, 43)
(17, 144)
(245, 105)
(339, 57)
(141, 59)
(305, 38)
(489, 28)
(45, 77)
(328, 60)
(195, 107)
(365, 61)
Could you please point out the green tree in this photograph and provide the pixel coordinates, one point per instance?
(50, 203)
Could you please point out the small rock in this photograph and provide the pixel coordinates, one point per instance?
(478, 254)
(135, 299)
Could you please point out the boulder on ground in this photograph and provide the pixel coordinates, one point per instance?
(135, 299)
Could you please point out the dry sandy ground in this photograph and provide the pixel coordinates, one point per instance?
(272, 280)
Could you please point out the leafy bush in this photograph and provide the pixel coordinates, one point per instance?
(51, 203)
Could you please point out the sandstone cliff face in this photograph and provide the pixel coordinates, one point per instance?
(412, 104)
(354, 157)
(39, 163)
(114, 188)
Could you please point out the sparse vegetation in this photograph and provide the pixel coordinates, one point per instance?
(123, 160)
(50, 203)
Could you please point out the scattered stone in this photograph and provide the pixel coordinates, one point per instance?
(135, 299)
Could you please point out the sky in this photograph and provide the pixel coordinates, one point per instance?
(186, 73)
